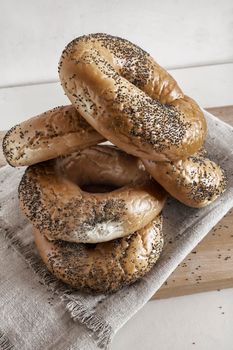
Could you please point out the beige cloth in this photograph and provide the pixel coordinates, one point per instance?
(38, 312)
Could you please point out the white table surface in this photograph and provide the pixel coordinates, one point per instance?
(202, 321)
(195, 38)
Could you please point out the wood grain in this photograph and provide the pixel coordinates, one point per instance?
(210, 265)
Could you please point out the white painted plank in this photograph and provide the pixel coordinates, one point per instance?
(20, 103)
(177, 33)
(199, 322)
(210, 86)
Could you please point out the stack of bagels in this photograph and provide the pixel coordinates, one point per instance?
(96, 208)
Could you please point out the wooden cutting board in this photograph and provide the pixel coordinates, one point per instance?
(210, 265)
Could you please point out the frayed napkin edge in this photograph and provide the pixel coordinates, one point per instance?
(100, 331)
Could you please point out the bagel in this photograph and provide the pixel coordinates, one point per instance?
(53, 196)
(56, 132)
(103, 267)
(129, 99)
(195, 181)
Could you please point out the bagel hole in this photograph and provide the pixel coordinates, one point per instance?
(91, 245)
(98, 188)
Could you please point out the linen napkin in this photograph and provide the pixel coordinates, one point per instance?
(39, 312)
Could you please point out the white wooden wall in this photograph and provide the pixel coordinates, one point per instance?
(179, 33)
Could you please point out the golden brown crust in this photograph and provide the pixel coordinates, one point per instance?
(103, 267)
(56, 132)
(52, 199)
(129, 99)
(195, 181)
